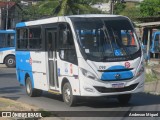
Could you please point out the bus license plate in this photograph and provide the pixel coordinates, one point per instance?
(118, 85)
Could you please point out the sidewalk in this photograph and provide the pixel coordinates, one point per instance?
(154, 86)
(19, 108)
(2, 66)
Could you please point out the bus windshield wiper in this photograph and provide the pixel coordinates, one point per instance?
(106, 34)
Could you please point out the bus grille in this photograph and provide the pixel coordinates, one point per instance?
(109, 90)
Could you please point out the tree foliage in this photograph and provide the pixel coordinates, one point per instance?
(150, 8)
(129, 9)
(119, 7)
(131, 12)
(67, 7)
(59, 8)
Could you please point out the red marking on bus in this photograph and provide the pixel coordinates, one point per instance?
(30, 61)
(127, 65)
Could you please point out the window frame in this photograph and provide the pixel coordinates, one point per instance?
(41, 38)
(59, 48)
(18, 41)
(28, 48)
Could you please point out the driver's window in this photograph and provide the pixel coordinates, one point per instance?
(66, 45)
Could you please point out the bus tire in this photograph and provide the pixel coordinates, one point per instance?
(32, 92)
(124, 99)
(68, 96)
(10, 61)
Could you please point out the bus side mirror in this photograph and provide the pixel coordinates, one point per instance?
(65, 36)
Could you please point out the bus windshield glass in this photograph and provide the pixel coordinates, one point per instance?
(102, 38)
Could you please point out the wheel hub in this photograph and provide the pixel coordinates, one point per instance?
(28, 88)
(67, 95)
(10, 61)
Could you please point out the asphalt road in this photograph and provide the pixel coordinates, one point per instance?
(10, 88)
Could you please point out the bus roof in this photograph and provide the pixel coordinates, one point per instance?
(157, 32)
(59, 19)
(7, 31)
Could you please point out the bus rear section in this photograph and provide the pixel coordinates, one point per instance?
(7, 47)
(80, 55)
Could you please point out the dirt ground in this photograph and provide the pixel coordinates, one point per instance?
(11, 105)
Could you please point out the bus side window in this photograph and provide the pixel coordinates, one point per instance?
(35, 41)
(22, 38)
(66, 45)
(2, 40)
(9, 40)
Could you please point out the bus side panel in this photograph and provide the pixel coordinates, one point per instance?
(70, 72)
(1, 54)
(39, 70)
(6, 51)
(33, 65)
(23, 67)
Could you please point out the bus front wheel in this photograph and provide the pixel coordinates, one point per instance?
(32, 92)
(68, 96)
(10, 61)
(124, 99)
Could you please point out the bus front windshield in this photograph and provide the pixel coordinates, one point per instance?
(102, 38)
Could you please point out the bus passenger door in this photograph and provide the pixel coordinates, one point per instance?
(51, 36)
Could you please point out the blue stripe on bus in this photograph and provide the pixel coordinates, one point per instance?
(5, 49)
(23, 66)
(22, 24)
(7, 31)
(110, 76)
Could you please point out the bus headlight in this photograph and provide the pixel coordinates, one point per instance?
(140, 71)
(88, 74)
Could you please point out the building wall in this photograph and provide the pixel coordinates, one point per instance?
(105, 7)
(14, 16)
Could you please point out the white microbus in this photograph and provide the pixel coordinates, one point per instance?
(7, 47)
(80, 55)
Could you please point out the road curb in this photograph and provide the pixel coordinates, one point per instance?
(2, 66)
(152, 87)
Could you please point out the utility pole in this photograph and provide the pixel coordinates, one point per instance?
(7, 7)
(112, 7)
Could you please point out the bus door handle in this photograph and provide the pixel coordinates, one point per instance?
(51, 59)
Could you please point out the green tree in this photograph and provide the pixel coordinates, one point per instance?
(58, 8)
(42, 9)
(129, 9)
(67, 7)
(150, 8)
(17, 1)
(119, 7)
(131, 12)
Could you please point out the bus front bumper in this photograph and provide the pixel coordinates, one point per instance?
(93, 88)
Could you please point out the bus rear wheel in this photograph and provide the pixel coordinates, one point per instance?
(10, 61)
(68, 96)
(32, 92)
(124, 99)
